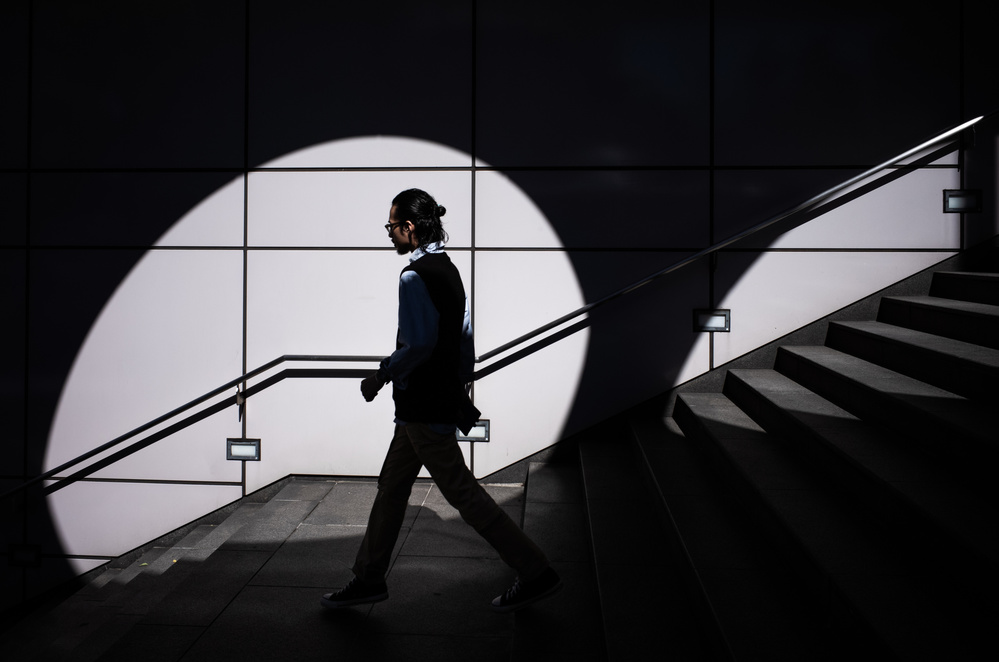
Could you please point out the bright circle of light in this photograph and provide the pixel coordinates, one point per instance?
(173, 328)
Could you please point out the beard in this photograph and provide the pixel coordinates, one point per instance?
(401, 248)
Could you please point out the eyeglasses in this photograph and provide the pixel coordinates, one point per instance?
(390, 226)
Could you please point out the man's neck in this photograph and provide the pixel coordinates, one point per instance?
(420, 251)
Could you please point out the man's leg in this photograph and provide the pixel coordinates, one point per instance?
(442, 457)
(395, 484)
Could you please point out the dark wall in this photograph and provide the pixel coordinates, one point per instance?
(644, 131)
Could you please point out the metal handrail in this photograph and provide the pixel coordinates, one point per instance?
(808, 204)
(237, 399)
(240, 397)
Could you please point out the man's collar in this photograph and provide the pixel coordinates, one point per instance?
(420, 251)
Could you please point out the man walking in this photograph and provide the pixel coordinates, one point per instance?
(430, 371)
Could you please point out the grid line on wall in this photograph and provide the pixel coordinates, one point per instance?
(693, 167)
(711, 175)
(246, 212)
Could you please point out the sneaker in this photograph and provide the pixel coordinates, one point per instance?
(524, 593)
(356, 592)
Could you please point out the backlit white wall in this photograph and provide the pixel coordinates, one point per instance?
(320, 278)
(836, 259)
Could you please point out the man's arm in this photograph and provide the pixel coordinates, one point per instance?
(418, 322)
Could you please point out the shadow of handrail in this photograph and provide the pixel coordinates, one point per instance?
(808, 207)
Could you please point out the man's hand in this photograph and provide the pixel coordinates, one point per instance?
(370, 387)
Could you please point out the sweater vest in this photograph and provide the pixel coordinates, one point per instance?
(434, 390)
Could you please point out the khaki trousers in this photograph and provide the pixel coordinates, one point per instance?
(414, 446)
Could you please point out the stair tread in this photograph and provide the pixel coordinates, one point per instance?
(954, 317)
(957, 349)
(864, 570)
(626, 528)
(198, 596)
(919, 481)
(966, 368)
(920, 400)
(877, 377)
(553, 483)
(276, 520)
(728, 558)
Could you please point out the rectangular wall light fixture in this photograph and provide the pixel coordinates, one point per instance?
(713, 320)
(242, 449)
(478, 433)
(956, 201)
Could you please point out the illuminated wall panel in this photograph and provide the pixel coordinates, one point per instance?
(324, 302)
(517, 292)
(62, 286)
(767, 304)
(907, 213)
(165, 338)
(348, 209)
(125, 514)
(320, 302)
(527, 403)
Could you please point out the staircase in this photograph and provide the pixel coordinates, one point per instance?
(245, 583)
(835, 504)
(840, 503)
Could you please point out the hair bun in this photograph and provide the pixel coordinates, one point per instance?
(441, 211)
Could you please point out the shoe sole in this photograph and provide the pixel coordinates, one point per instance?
(527, 603)
(340, 604)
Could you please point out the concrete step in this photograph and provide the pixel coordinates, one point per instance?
(248, 587)
(208, 588)
(54, 632)
(643, 599)
(151, 583)
(981, 287)
(953, 365)
(976, 323)
(190, 580)
(758, 611)
(948, 425)
(88, 622)
(567, 626)
(908, 494)
(842, 563)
